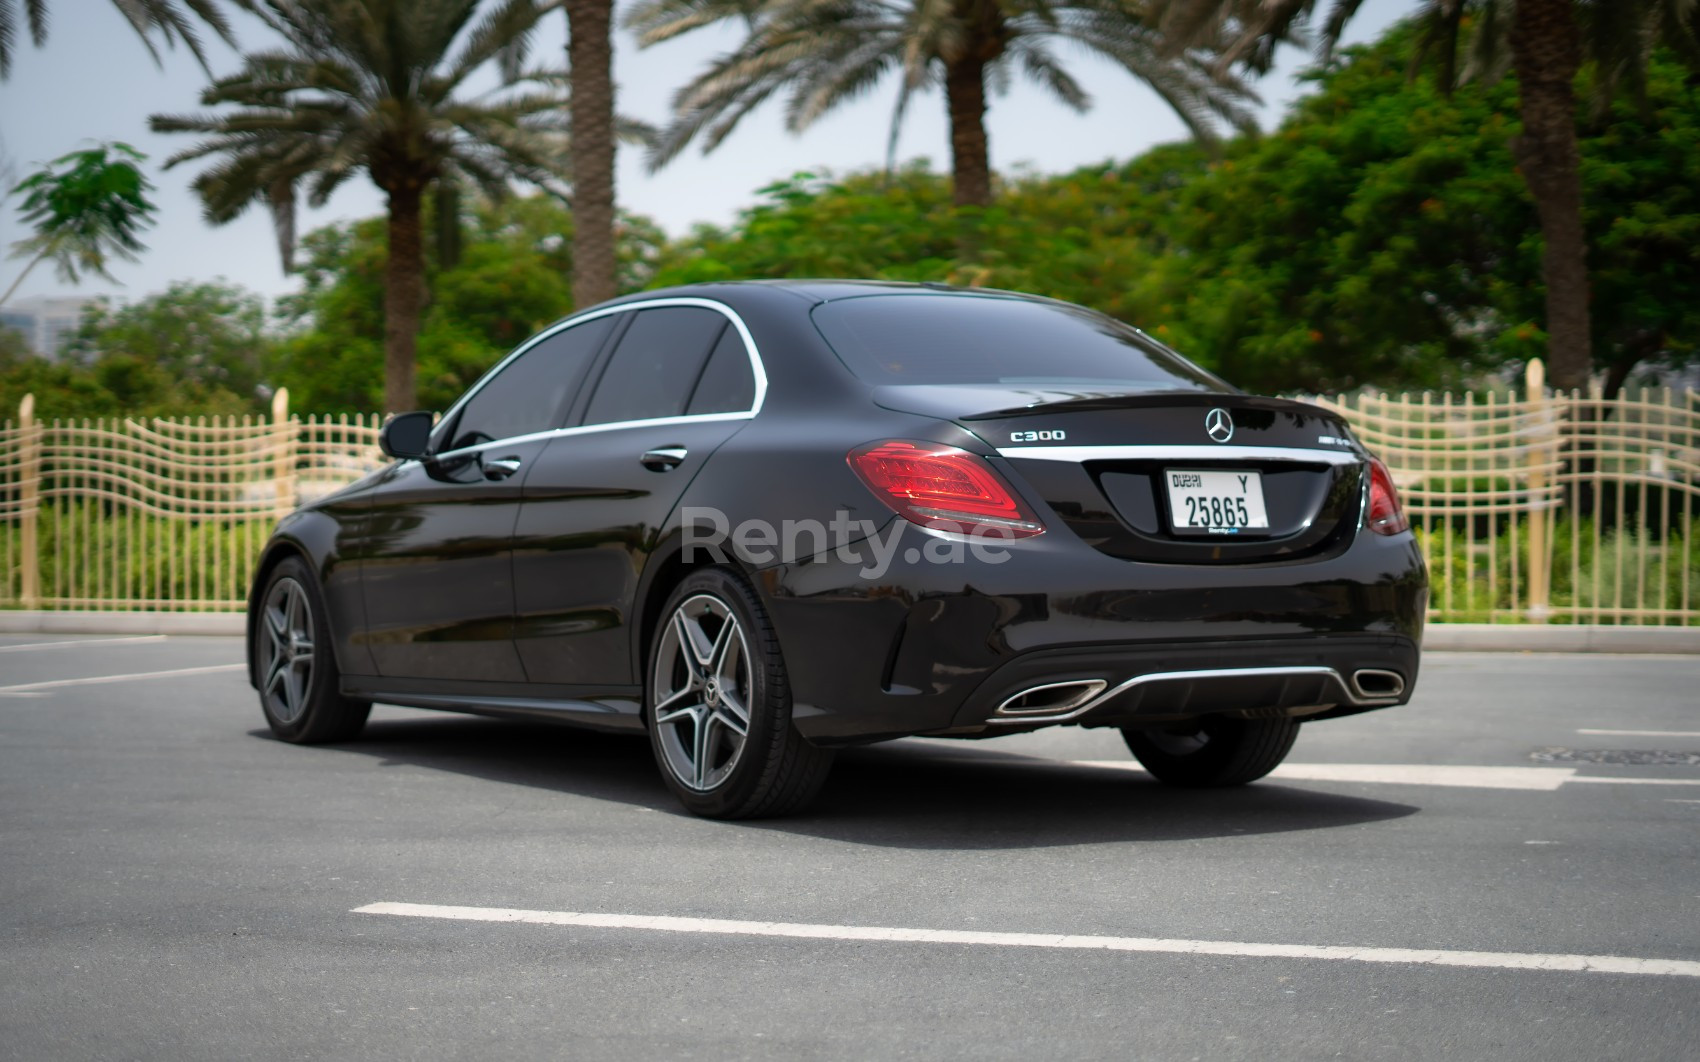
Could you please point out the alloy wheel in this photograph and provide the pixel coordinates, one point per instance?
(286, 657)
(701, 690)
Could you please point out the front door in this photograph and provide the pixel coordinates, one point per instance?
(438, 574)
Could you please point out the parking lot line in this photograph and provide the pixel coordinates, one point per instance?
(131, 639)
(1643, 733)
(1497, 960)
(1600, 780)
(99, 679)
(1534, 779)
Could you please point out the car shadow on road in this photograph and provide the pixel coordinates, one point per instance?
(905, 794)
(921, 795)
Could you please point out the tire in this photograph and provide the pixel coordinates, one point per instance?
(728, 675)
(299, 680)
(1213, 752)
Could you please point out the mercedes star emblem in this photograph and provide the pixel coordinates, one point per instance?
(1218, 425)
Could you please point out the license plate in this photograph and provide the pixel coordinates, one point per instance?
(1215, 503)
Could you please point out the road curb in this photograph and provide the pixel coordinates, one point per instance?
(1438, 637)
(52, 622)
(1568, 638)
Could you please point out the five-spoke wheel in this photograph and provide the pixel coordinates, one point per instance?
(295, 669)
(719, 705)
(286, 650)
(702, 683)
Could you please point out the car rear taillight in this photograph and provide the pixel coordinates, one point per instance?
(943, 487)
(1386, 515)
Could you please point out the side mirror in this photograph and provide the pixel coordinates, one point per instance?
(407, 435)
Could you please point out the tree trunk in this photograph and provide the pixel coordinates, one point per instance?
(1546, 52)
(591, 57)
(965, 95)
(19, 282)
(404, 291)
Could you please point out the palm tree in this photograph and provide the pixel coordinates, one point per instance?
(1545, 43)
(377, 86)
(144, 16)
(590, 60)
(826, 53)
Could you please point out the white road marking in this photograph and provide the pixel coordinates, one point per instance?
(1532, 778)
(1637, 781)
(1642, 733)
(1536, 779)
(77, 645)
(101, 679)
(1498, 960)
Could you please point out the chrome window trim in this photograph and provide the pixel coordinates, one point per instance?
(1077, 454)
(756, 366)
(588, 429)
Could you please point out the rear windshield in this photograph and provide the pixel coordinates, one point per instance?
(958, 339)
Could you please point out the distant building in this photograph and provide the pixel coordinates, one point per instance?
(46, 320)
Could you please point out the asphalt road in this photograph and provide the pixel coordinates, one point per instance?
(175, 884)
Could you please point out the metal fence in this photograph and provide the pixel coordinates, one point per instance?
(1539, 507)
(1544, 507)
(169, 515)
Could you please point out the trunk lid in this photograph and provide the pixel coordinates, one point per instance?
(1105, 461)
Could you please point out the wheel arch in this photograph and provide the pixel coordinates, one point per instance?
(668, 566)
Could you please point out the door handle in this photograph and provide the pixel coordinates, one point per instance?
(663, 460)
(501, 467)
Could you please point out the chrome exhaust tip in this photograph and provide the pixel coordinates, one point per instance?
(1053, 698)
(1375, 684)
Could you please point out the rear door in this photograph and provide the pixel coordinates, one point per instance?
(682, 379)
(438, 578)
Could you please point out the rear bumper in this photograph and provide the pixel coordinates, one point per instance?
(936, 648)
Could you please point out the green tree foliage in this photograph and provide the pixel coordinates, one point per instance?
(1546, 43)
(1639, 162)
(195, 349)
(1380, 236)
(510, 280)
(85, 207)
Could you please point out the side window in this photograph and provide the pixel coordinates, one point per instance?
(656, 365)
(532, 392)
(728, 385)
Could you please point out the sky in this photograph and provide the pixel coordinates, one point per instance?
(94, 81)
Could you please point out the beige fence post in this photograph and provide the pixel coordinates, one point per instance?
(283, 441)
(1540, 561)
(29, 503)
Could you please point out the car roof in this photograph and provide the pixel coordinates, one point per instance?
(820, 290)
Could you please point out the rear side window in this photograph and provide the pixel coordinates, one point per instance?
(532, 392)
(728, 385)
(965, 339)
(656, 365)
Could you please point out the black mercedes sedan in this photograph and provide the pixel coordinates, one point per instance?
(763, 520)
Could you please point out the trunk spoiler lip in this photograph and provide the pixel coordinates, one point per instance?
(1155, 400)
(1172, 454)
(928, 398)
